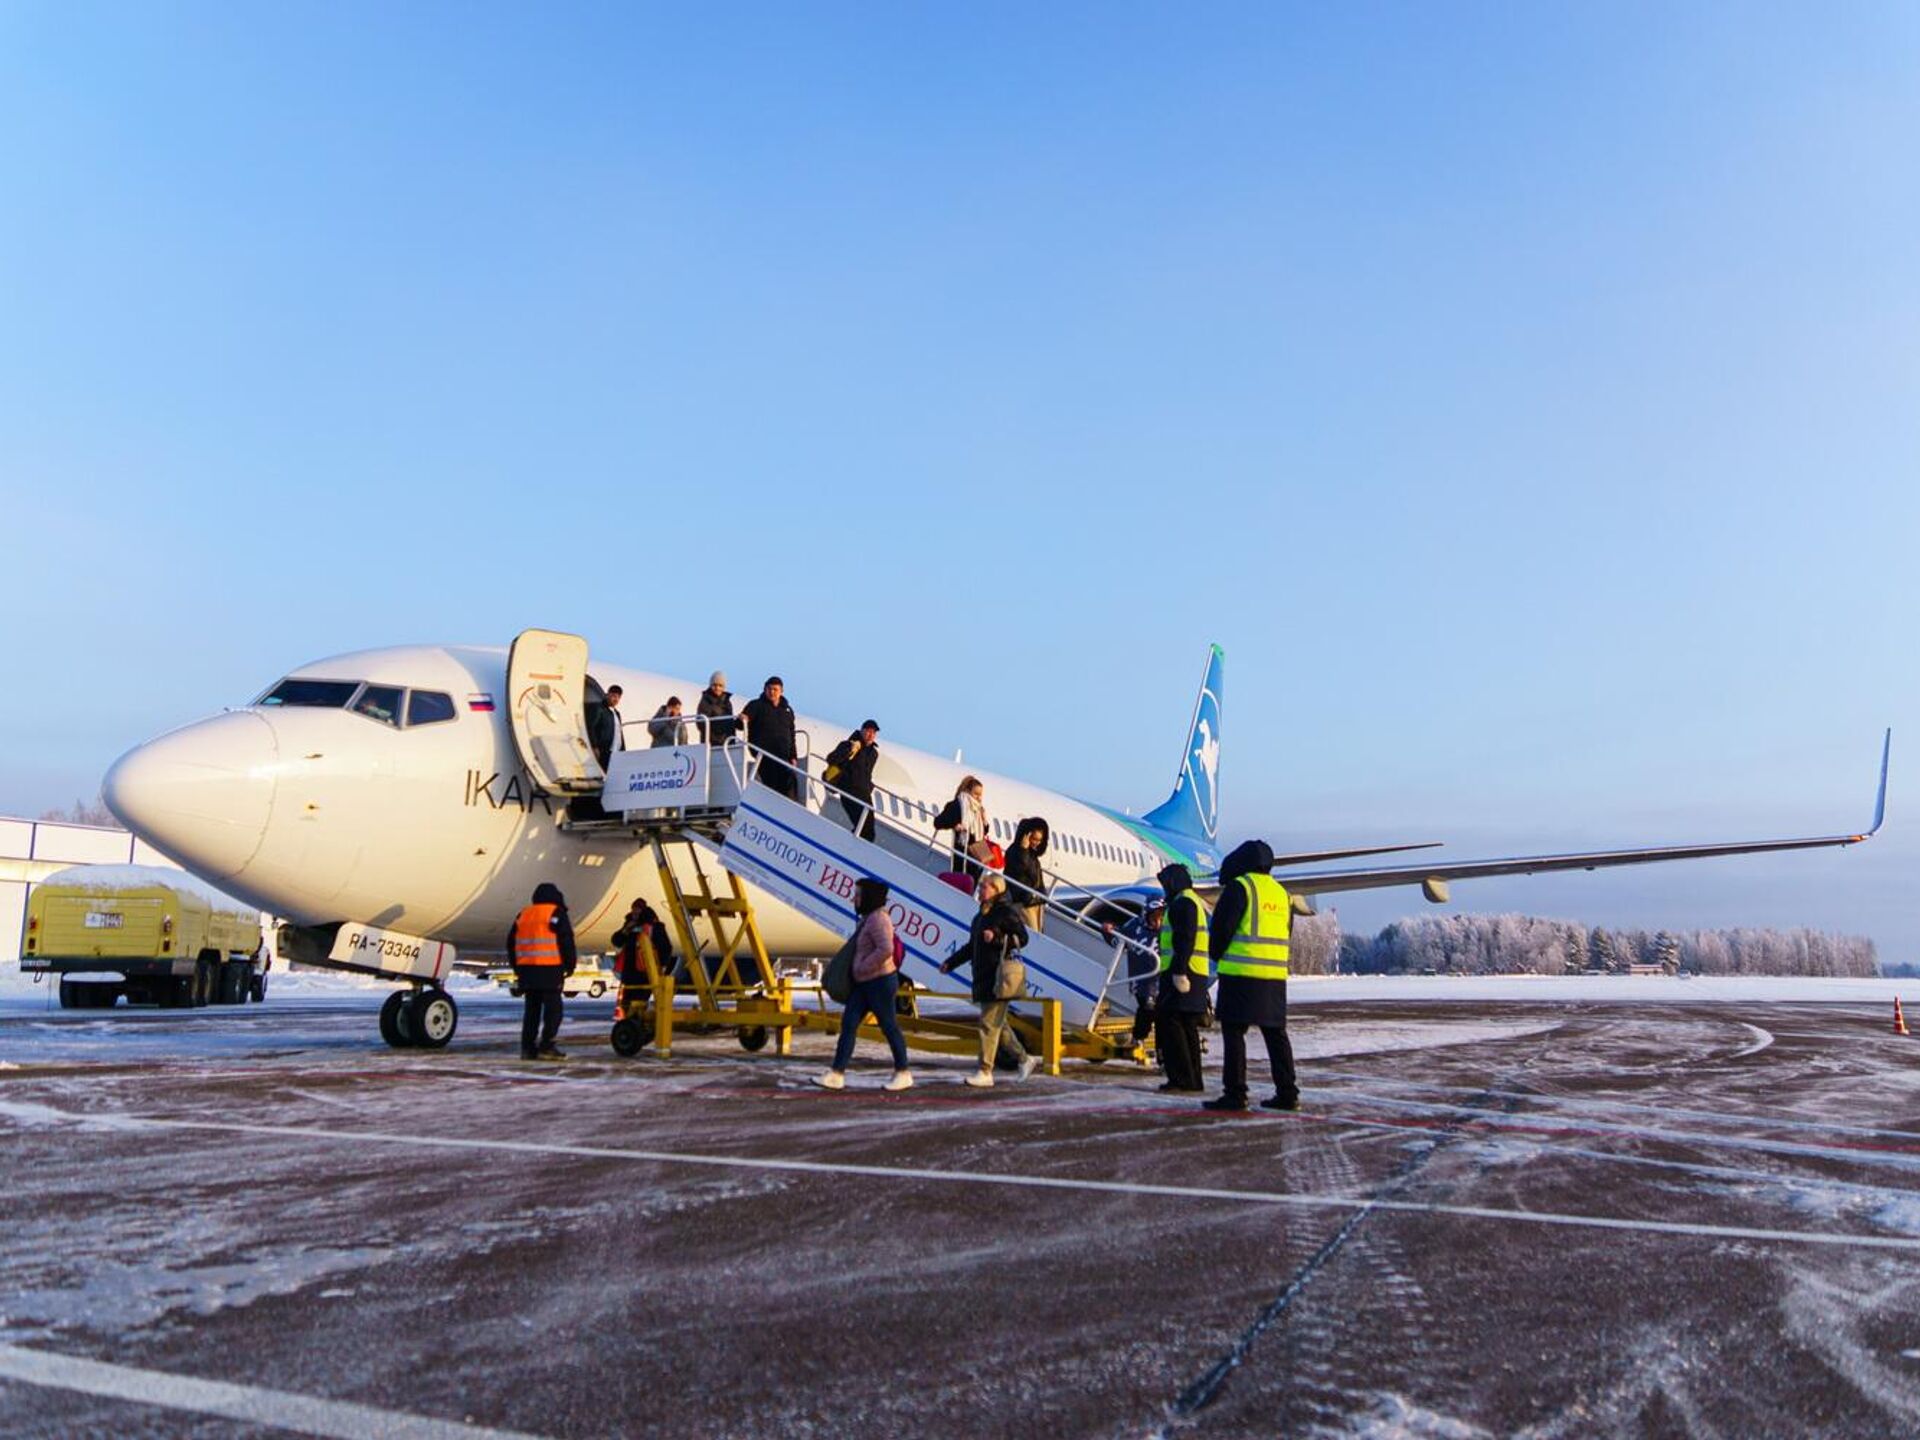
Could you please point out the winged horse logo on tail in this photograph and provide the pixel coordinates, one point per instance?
(1194, 807)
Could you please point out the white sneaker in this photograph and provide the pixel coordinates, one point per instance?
(1029, 1065)
(981, 1079)
(830, 1080)
(899, 1080)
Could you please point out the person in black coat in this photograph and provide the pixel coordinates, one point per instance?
(603, 725)
(716, 704)
(996, 934)
(542, 984)
(1024, 870)
(770, 729)
(1245, 1000)
(850, 770)
(1182, 996)
(643, 924)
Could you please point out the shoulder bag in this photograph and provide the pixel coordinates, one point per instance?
(837, 978)
(1010, 980)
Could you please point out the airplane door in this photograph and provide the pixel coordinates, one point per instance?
(546, 706)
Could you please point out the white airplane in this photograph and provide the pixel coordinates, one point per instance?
(423, 791)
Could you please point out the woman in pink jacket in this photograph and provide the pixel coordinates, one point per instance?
(876, 980)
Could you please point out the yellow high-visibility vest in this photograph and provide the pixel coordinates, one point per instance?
(1261, 940)
(1199, 962)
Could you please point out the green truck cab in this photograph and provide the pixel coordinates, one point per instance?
(158, 937)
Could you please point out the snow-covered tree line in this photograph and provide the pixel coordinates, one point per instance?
(1525, 944)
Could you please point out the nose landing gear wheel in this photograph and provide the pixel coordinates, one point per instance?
(431, 1017)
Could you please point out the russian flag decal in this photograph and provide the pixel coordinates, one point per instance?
(480, 702)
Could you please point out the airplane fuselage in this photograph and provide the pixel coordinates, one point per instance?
(322, 813)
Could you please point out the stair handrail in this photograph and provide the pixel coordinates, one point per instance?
(736, 747)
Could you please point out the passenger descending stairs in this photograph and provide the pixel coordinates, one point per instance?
(757, 837)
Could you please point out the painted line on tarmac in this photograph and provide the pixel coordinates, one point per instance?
(1278, 1198)
(303, 1414)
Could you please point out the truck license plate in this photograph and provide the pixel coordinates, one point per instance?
(102, 920)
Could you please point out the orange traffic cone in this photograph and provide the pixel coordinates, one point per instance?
(1899, 1020)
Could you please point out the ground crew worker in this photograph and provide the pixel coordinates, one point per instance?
(1182, 996)
(540, 949)
(1252, 931)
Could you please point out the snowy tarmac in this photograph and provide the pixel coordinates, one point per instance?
(1494, 1216)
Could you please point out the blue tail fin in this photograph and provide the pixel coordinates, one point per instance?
(1194, 807)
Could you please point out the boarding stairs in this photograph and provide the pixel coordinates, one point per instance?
(715, 830)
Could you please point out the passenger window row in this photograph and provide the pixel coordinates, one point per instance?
(904, 809)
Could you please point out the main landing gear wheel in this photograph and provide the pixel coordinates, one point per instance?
(431, 1017)
(390, 1030)
(628, 1038)
(754, 1037)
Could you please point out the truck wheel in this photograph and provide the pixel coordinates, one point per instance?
(430, 1018)
(69, 997)
(628, 1038)
(596, 989)
(206, 982)
(259, 989)
(390, 1030)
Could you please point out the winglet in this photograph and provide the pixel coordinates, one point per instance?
(1880, 800)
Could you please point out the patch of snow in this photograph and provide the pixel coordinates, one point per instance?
(120, 1296)
(1395, 1417)
(127, 877)
(1557, 989)
(1322, 1039)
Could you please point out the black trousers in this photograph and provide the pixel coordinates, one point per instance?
(859, 815)
(540, 1021)
(1142, 1009)
(1176, 1034)
(777, 777)
(1279, 1057)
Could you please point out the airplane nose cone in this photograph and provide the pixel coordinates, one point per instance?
(202, 794)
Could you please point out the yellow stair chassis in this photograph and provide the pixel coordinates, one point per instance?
(734, 987)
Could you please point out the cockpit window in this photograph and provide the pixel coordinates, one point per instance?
(323, 694)
(380, 702)
(425, 707)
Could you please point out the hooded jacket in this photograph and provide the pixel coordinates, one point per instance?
(548, 977)
(1183, 920)
(1243, 1000)
(1023, 865)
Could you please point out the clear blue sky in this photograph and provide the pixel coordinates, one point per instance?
(1524, 395)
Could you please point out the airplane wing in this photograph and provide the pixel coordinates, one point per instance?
(1310, 857)
(1435, 877)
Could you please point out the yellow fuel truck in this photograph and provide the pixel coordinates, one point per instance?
(156, 936)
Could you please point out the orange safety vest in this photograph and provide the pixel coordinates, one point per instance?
(534, 942)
